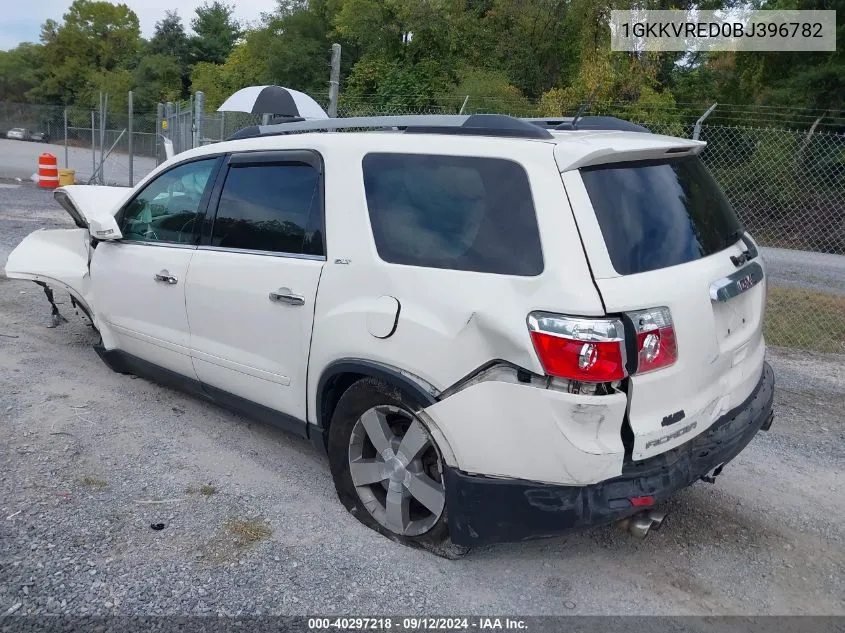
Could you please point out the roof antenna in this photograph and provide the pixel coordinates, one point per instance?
(584, 107)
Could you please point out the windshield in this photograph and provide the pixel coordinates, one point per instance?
(656, 214)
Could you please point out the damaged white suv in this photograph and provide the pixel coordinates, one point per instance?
(496, 328)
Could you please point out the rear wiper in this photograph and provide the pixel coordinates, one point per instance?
(748, 254)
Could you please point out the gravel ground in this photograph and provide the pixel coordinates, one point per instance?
(822, 272)
(252, 524)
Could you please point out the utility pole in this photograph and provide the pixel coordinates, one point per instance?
(334, 81)
(199, 113)
(159, 119)
(129, 129)
(103, 122)
(66, 163)
(93, 147)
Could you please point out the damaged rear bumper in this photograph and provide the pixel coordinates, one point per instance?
(487, 510)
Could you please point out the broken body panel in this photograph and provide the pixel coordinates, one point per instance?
(55, 258)
(61, 258)
(718, 336)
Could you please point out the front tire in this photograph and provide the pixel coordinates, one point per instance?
(387, 469)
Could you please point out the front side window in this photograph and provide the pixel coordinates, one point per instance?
(454, 212)
(270, 207)
(167, 209)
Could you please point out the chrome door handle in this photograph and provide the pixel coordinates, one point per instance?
(165, 277)
(284, 295)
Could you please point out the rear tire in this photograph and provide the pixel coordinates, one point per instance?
(387, 469)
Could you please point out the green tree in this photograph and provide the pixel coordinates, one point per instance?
(536, 43)
(170, 40)
(380, 83)
(796, 80)
(610, 78)
(810, 80)
(489, 91)
(216, 32)
(296, 47)
(95, 38)
(209, 78)
(219, 81)
(21, 70)
(157, 78)
(115, 83)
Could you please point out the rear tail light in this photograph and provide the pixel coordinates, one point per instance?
(656, 344)
(593, 350)
(583, 349)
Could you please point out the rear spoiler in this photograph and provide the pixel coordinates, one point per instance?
(623, 148)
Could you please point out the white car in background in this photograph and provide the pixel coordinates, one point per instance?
(23, 134)
(497, 329)
(18, 134)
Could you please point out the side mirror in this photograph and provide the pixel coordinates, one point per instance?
(104, 228)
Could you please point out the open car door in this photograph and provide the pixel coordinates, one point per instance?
(60, 258)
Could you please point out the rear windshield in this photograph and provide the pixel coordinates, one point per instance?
(656, 214)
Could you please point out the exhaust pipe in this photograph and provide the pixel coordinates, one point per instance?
(639, 525)
(656, 517)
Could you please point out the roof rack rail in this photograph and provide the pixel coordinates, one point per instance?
(588, 123)
(497, 125)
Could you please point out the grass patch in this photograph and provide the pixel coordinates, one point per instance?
(92, 482)
(805, 319)
(247, 532)
(233, 538)
(206, 490)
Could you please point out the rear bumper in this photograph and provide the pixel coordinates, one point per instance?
(487, 510)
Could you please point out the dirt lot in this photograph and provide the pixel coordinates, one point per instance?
(89, 459)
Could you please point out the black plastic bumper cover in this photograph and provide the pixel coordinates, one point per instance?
(485, 510)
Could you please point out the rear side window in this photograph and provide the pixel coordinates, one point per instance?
(455, 212)
(270, 207)
(656, 214)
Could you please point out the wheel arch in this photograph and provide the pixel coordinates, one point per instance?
(339, 375)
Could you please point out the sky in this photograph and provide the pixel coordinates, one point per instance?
(21, 21)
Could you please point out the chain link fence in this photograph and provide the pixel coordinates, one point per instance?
(783, 170)
(105, 150)
(788, 187)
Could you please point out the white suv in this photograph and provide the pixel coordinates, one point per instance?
(497, 329)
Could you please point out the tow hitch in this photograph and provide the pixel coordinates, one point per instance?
(710, 477)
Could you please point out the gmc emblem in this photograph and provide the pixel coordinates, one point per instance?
(746, 283)
(673, 417)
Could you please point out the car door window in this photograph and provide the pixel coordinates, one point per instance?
(167, 210)
(454, 212)
(271, 208)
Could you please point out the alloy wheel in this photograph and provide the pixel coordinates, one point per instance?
(396, 470)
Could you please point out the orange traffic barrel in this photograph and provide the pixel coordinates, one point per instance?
(48, 171)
